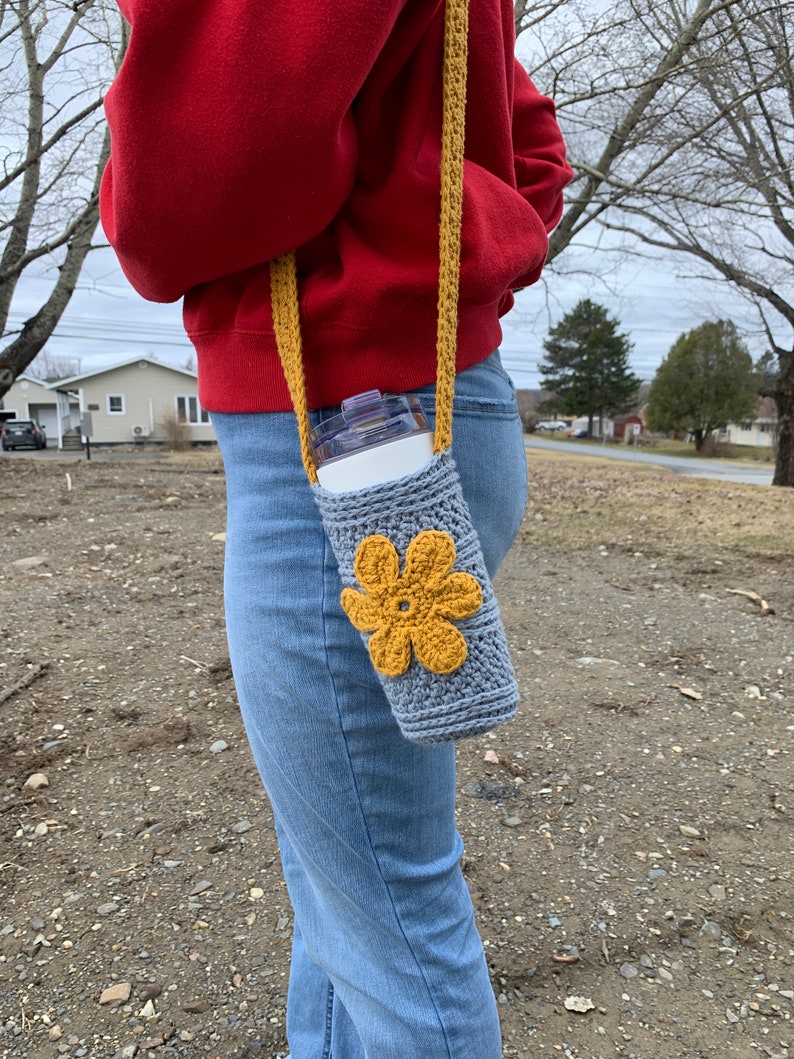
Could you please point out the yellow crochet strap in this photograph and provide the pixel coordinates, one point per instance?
(286, 323)
(452, 144)
(283, 282)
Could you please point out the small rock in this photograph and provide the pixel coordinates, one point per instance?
(512, 821)
(37, 781)
(711, 930)
(219, 746)
(196, 1007)
(147, 1011)
(579, 1003)
(41, 829)
(689, 832)
(241, 827)
(118, 993)
(717, 892)
(218, 537)
(30, 562)
(107, 909)
(492, 757)
(149, 991)
(628, 970)
(55, 1032)
(588, 660)
(256, 893)
(201, 887)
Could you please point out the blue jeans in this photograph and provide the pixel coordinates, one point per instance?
(386, 962)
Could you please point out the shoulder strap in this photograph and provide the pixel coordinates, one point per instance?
(283, 281)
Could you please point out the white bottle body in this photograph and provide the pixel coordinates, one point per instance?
(377, 464)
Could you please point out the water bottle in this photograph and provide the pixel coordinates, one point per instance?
(375, 438)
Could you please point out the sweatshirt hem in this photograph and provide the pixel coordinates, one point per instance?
(240, 371)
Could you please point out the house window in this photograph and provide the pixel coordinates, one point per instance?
(115, 404)
(188, 410)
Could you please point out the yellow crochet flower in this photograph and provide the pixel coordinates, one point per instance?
(412, 609)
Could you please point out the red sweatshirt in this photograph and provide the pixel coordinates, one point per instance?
(243, 129)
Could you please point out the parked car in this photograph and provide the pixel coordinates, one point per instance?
(15, 433)
(577, 432)
(551, 426)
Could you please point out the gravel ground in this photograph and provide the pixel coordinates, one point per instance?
(628, 837)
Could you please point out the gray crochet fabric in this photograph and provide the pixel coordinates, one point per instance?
(431, 708)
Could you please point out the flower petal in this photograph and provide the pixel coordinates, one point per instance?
(377, 564)
(439, 646)
(365, 613)
(459, 597)
(429, 558)
(390, 651)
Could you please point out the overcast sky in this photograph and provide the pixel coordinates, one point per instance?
(107, 322)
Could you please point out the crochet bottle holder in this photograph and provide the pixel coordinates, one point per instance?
(415, 582)
(417, 588)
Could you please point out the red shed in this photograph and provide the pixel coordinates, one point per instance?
(624, 426)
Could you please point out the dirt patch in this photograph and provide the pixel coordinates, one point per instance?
(628, 837)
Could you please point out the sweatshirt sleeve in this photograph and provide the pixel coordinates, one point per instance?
(540, 164)
(232, 139)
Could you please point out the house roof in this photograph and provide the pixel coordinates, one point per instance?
(766, 408)
(61, 384)
(32, 378)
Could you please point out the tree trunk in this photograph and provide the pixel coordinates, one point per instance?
(18, 354)
(784, 398)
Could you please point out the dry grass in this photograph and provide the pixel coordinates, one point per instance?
(202, 458)
(583, 503)
(576, 503)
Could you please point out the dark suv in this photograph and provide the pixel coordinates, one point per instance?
(17, 432)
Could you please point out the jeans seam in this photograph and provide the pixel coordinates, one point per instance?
(397, 917)
(329, 1013)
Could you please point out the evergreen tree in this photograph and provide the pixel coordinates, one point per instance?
(706, 381)
(587, 364)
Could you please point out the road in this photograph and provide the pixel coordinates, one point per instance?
(747, 473)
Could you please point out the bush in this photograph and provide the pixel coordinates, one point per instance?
(176, 433)
(713, 448)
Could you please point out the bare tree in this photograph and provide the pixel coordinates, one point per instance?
(679, 116)
(57, 58)
(49, 368)
(732, 206)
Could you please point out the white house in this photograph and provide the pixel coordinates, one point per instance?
(30, 398)
(760, 430)
(132, 401)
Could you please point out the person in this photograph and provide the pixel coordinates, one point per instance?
(241, 131)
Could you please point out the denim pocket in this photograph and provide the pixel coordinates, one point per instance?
(483, 389)
(488, 448)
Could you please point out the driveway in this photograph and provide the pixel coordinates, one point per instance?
(50, 453)
(747, 473)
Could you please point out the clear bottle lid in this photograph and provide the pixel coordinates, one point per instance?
(366, 421)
